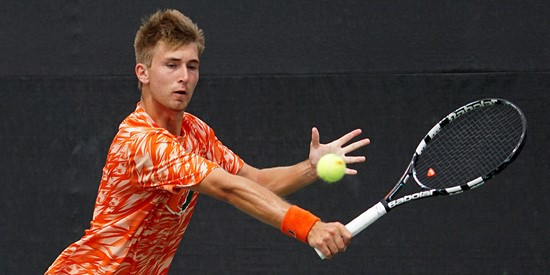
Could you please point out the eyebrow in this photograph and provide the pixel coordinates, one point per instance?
(179, 59)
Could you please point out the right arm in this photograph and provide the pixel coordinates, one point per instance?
(244, 194)
(264, 205)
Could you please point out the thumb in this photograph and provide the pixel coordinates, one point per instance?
(314, 137)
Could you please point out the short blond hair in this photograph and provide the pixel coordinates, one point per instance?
(169, 26)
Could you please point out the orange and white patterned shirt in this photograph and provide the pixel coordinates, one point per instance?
(142, 207)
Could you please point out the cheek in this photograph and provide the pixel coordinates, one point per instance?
(159, 80)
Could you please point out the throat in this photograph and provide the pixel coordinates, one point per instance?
(165, 118)
(172, 124)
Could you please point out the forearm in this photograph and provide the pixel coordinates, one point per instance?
(246, 195)
(287, 179)
(264, 205)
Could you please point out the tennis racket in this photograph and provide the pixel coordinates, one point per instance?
(465, 149)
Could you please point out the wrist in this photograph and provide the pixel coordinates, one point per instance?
(312, 170)
(298, 222)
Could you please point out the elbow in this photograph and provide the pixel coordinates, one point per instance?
(219, 185)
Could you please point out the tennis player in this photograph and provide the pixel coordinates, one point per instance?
(162, 158)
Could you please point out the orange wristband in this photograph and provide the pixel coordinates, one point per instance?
(298, 222)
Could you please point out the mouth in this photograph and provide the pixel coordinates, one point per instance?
(181, 92)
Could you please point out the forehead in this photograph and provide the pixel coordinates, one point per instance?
(186, 52)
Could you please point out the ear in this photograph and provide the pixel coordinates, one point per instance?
(142, 73)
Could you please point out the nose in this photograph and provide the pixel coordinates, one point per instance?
(183, 75)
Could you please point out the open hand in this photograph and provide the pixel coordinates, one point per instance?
(338, 147)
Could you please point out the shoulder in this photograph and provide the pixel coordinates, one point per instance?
(196, 126)
(193, 120)
(138, 133)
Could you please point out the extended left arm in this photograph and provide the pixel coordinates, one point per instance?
(285, 180)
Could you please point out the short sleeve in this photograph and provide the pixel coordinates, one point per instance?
(158, 161)
(223, 156)
(202, 136)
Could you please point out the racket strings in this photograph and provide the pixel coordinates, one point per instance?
(470, 146)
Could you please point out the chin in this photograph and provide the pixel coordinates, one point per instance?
(179, 108)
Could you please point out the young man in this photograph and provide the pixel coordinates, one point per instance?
(163, 157)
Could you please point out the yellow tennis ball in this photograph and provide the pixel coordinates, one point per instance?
(331, 168)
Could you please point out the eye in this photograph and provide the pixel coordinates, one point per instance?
(171, 65)
(193, 67)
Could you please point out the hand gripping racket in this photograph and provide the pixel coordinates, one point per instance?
(465, 149)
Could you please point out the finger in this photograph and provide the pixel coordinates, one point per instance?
(346, 235)
(332, 246)
(328, 254)
(324, 248)
(314, 137)
(355, 159)
(356, 145)
(344, 238)
(351, 160)
(349, 136)
(340, 244)
(351, 171)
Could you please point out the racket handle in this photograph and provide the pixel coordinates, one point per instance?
(362, 221)
(366, 218)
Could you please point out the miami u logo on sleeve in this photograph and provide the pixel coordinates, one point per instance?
(178, 202)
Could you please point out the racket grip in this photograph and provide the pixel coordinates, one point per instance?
(362, 221)
(366, 218)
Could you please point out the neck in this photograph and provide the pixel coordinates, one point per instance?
(163, 117)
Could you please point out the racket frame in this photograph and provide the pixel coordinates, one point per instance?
(388, 203)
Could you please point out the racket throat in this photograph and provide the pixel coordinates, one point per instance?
(384, 203)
